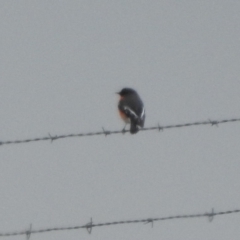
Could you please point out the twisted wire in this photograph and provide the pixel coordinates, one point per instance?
(107, 132)
(90, 225)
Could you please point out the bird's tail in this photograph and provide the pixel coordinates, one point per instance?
(134, 128)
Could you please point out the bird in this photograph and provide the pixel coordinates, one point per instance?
(131, 109)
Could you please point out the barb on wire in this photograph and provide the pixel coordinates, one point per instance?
(160, 128)
(211, 215)
(213, 123)
(150, 220)
(104, 132)
(28, 232)
(90, 225)
(52, 138)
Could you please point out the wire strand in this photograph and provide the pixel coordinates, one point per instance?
(106, 132)
(91, 225)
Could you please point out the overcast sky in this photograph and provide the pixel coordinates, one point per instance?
(61, 63)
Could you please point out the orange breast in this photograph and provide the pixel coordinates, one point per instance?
(124, 117)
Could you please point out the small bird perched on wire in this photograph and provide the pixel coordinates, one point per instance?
(131, 109)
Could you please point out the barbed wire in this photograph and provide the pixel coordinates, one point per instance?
(107, 132)
(90, 225)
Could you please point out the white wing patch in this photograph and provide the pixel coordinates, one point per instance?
(143, 113)
(135, 115)
(131, 111)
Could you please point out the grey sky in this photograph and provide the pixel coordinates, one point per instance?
(61, 64)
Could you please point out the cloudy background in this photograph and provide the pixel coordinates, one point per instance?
(61, 63)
